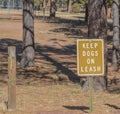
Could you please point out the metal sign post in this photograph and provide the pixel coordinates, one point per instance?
(90, 61)
(91, 93)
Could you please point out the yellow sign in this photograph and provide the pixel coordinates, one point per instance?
(90, 57)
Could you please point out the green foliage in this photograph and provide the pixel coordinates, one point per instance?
(38, 3)
(109, 3)
(82, 2)
(77, 4)
(76, 8)
(61, 3)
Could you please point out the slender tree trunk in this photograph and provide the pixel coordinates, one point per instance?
(44, 3)
(116, 40)
(44, 7)
(69, 6)
(86, 12)
(62, 4)
(28, 33)
(53, 9)
(48, 4)
(97, 28)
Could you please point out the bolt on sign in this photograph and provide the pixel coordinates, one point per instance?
(90, 57)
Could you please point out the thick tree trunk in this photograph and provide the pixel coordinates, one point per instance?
(28, 33)
(69, 6)
(53, 9)
(97, 28)
(116, 40)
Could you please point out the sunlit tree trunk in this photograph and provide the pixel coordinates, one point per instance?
(97, 28)
(116, 39)
(48, 4)
(28, 33)
(69, 6)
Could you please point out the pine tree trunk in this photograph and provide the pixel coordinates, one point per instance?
(48, 5)
(97, 28)
(53, 9)
(28, 33)
(69, 6)
(44, 7)
(116, 40)
(86, 12)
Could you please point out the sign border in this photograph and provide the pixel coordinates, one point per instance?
(78, 65)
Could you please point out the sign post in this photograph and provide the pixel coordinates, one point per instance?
(91, 93)
(90, 60)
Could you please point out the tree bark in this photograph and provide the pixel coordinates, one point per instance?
(86, 12)
(69, 6)
(28, 33)
(97, 28)
(48, 5)
(116, 40)
(53, 9)
(44, 7)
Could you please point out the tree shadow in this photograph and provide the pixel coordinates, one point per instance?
(5, 42)
(72, 28)
(64, 50)
(40, 72)
(113, 106)
(76, 29)
(60, 67)
(82, 108)
(114, 89)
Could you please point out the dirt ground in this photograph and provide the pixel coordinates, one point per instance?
(51, 86)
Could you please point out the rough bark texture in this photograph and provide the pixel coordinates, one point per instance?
(53, 9)
(116, 40)
(28, 33)
(97, 28)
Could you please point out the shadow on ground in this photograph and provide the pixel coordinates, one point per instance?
(113, 106)
(70, 27)
(47, 67)
(82, 108)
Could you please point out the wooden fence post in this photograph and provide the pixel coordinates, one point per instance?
(12, 78)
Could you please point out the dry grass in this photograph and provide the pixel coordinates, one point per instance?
(67, 98)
